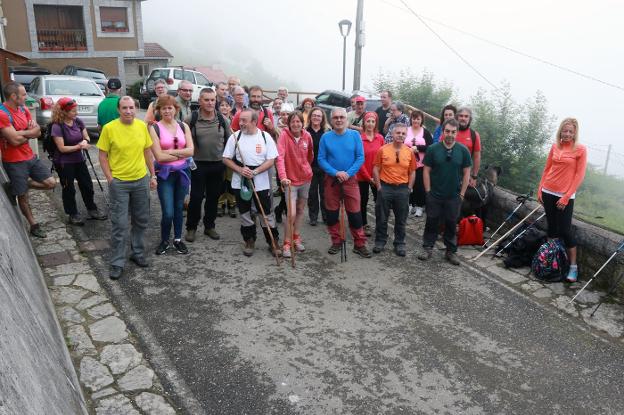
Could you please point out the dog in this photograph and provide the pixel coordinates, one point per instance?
(478, 199)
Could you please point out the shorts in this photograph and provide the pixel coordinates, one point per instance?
(20, 171)
(298, 192)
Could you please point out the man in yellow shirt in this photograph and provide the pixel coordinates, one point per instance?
(126, 159)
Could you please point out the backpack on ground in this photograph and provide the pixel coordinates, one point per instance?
(550, 263)
(521, 251)
(470, 231)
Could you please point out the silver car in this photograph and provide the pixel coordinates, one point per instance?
(48, 89)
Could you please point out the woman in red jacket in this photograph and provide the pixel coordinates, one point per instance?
(295, 153)
(372, 142)
(563, 174)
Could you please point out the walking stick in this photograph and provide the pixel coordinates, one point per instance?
(291, 227)
(613, 288)
(520, 234)
(343, 244)
(521, 199)
(86, 153)
(617, 251)
(506, 234)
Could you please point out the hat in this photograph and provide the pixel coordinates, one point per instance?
(245, 192)
(370, 114)
(360, 99)
(67, 104)
(113, 83)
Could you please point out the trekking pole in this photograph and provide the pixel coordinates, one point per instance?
(291, 226)
(343, 244)
(86, 153)
(617, 251)
(506, 234)
(521, 199)
(611, 290)
(520, 234)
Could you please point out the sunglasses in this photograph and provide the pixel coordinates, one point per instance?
(68, 105)
(175, 143)
(449, 154)
(397, 156)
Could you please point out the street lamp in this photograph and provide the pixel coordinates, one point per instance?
(345, 28)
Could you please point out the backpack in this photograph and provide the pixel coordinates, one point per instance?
(470, 231)
(8, 113)
(49, 146)
(157, 128)
(473, 138)
(550, 263)
(521, 251)
(193, 123)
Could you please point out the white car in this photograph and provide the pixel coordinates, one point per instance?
(47, 89)
(173, 77)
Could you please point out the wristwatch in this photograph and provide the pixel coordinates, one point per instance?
(255, 172)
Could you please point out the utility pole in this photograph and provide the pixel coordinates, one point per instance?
(607, 160)
(359, 44)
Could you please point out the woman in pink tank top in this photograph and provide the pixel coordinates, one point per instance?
(418, 139)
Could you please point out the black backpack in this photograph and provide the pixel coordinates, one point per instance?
(520, 253)
(193, 123)
(157, 128)
(49, 146)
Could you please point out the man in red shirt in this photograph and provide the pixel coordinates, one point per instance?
(265, 118)
(18, 159)
(465, 136)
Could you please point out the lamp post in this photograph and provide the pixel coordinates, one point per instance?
(345, 27)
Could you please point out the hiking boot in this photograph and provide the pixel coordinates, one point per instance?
(180, 247)
(452, 258)
(37, 231)
(139, 261)
(162, 248)
(399, 251)
(211, 233)
(286, 249)
(426, 254)
(313, 222)
(232, 210)
(377, 249)
(334, 249)
(75, 219)
(572, 274)
(190, 235)
(97, 215)
(367, 230)
(298, 244)
(250, 245)
(115, 272)
(362, 251)
(221, 211)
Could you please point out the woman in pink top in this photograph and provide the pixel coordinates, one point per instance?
(418, 138)
(295, 151)
(372, 142)
(172, 146)
(563, 174)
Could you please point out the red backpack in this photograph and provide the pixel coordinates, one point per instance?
(470, 231)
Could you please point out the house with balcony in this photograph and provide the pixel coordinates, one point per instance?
(101, 34)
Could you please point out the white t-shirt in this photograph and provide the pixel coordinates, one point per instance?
(255, 150)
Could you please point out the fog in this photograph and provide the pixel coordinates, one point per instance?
(298, 44)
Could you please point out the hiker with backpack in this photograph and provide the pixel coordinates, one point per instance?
(209, 131)
(172, 146)
(20, 163)
(66, 140)
(471, 139)
(355, 118)
(563, 174)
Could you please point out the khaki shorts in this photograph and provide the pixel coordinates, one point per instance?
(20, 171)
(298, 192)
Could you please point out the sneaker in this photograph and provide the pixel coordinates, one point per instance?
(180, 247)
(377, 249)
(115, 272)
(97, 215)
(452, 258)
(362, 251)
(221, 211)
(211, 233)
(313, 222)
(75, 219)
(37, 231)
(572, 274)
(139, 261)
(286, 250)
(419, 212)
(367, 230)
(190, 235)
(426, 254)
(298, 244)
(399, 251)
(412, 211)
(232, 210)
(249, 248)
(162, 248)
(334, 249)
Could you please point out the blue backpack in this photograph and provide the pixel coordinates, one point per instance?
(550, 263)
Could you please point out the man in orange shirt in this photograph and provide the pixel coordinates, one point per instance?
(394, 173)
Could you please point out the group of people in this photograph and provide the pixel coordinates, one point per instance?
(225, 153)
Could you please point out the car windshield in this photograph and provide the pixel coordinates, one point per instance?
(72, 87)
(90, 74)
(24, 78)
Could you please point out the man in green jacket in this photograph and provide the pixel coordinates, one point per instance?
(107, 110)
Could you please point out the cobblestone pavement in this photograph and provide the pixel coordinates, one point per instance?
(215, 332)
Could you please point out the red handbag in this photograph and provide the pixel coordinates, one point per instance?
(470, 231)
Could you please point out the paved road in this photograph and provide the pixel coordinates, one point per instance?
(233, 335)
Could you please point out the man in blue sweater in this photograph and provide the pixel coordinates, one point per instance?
(340, 156)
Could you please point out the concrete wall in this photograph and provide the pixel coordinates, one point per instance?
(36, 372)
(595, 244)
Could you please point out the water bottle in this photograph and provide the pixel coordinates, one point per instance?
(192, 164)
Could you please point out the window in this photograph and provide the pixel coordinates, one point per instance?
(202, 80)
(114, 19)
(143, 69)
(184, 75)
(60, 28)
(73, 87)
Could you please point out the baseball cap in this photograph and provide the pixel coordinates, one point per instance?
(360, 99)
(67, 104)
(114, 83)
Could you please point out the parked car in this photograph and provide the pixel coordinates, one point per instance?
(25, 74)
(330, 99)
(173, 77)
(97, 75)
(47, 89)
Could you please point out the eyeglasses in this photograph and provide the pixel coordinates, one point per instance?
(186, 90)
(339, 117)
(449, 154)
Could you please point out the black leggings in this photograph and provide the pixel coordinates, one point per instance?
(417, 198)
(364, 191)
(559, 221)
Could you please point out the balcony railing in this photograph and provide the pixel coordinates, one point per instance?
(56, 40)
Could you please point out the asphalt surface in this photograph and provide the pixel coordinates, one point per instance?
(229, 334)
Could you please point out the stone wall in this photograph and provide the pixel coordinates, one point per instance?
(595, 244)
(36, 372)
